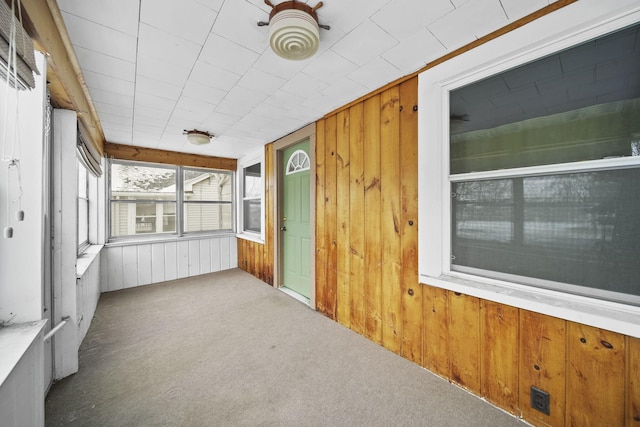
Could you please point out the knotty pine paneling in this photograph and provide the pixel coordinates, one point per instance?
(632, 387)
(595, 393)
(390, 215)
(372, 222)
(499, 354)
(343, 308)
(542, 347)
(320, 250)
(356, 218)
(368, 226)
(464, 340)
(410, 290)
(435, 353)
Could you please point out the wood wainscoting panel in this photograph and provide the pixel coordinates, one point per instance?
(330, 212)
(595, 377)
(343, 308)
(436, 331)
(411, 290)
(321, 252)
(543, 352)
(464, 340)
(499, 354)
(372, 221)
(632, 391)
(356, 217)
(391, 215)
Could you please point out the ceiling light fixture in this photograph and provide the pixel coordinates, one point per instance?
(294, 29)
(198, 137)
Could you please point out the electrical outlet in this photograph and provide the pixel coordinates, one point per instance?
(540, 400)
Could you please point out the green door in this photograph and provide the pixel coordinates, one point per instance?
(295, 223)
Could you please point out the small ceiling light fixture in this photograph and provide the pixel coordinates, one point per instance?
(198, 137)
(294, 29)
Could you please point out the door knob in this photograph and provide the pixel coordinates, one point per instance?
(283, 228)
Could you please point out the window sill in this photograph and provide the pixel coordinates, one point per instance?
(251, 237)
(607, 315)
(165, 239)
(15, 341)
(84, 261)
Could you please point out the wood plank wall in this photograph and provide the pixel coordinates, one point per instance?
(367, 280)
(256, 258)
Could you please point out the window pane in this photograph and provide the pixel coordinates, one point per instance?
(83, 221)
(579, 104)
(207, 217)
(209, 186)
(252, 215)
(581, 228)
(142, 182)
(142, 218)
(252, 181)
(82, 181)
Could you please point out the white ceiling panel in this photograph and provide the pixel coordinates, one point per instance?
(404, 18)
(376, 73)
(364, 43)
(107, 83)
(304, 85)
(157, 67)
(462, 26)
(227, 55)
(347, 15)
(212, 76)
(156, 87)
(186, 19)
(211, 4)
(96, 37)
(105, 64)
(120, 15)
(329, 66)
(516, 9)
(203, 92)
(156, 102)
(155, 43)
(261, 81)
(111, 98)
(403, 55)
(238, 21)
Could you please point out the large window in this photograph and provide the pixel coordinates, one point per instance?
(153, 199)
(544, 163)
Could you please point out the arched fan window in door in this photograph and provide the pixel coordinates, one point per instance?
(298, 162)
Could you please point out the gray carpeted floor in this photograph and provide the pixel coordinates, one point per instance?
(225, 349)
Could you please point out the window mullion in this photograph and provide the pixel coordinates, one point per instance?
(180, 201)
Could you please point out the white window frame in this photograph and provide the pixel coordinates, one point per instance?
(250, 159)
(179, 202)
(567, 27)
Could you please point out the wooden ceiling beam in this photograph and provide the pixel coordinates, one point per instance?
(152, 155)
(66, 83)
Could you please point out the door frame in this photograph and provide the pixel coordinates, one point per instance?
(307, 132)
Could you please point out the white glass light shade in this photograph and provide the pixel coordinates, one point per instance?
(198, 137)
(294, 34)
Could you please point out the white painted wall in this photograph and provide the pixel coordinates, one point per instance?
(131, 265)
(21, 262)
(87, 290)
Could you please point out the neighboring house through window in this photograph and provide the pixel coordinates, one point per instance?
(148, 199)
